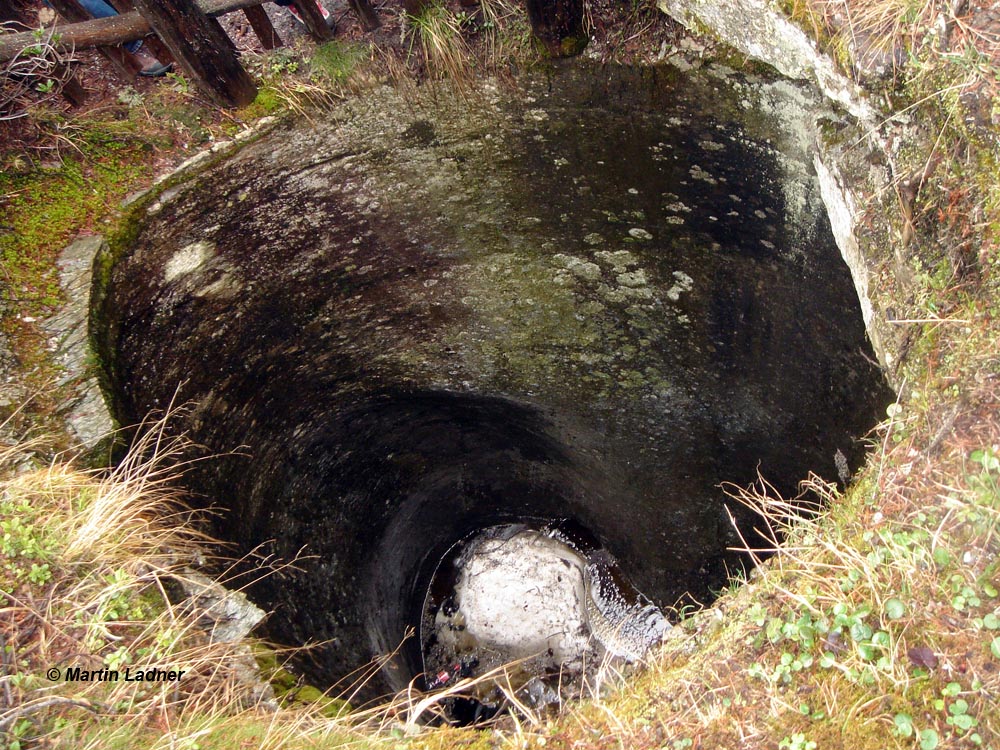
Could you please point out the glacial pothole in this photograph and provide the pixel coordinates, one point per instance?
(584, 304)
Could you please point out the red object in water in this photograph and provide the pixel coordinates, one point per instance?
(442, 677)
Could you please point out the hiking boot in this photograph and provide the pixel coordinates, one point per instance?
(151, 67)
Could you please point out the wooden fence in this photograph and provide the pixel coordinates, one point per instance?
(186, 32)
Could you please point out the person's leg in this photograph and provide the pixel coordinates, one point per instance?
(101, 9)
(98, 8)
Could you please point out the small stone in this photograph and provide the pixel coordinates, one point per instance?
(593, 239)
(640, 234)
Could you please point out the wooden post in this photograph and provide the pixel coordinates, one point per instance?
(158, 48)
(558, 26)
(202, 48)
(263, 27)
(72, 90)
(366, 14)
(126, 65)
(313, 20)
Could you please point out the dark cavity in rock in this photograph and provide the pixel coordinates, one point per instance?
(594, 299)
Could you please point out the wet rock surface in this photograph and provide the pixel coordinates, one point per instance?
(596, 298)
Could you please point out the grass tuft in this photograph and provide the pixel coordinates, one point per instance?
(438, 34)
(98, 576)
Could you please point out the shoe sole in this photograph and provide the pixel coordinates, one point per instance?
(157, 71)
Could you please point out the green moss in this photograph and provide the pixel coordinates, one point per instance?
(267, 102)
(288, 690)
(271, 669)
(50, 206)
(328, 706)
(573, 45)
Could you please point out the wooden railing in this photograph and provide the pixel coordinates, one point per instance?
(188, 32)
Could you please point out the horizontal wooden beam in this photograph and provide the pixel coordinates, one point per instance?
(126, 65)
(124, 27)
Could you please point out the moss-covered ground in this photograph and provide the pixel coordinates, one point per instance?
(877, 625)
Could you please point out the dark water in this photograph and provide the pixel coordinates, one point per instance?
(597, 299)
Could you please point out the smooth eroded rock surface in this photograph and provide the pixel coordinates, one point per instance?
(596, 298)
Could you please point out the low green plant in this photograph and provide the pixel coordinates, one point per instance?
(336, 61)
(797, 741)
(281, 61)
(26, 549)
(179, 83)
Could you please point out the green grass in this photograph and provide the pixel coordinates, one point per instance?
(336, 61)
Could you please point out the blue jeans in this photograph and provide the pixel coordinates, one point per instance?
(100, 9)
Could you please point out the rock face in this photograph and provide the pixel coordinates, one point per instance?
(854, 171)
(758, 31)
(596, 298)
(85, 412)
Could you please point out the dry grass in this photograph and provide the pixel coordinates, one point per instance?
(872, 624)
(94, 574)
(93, 570)
(437, 33)
(36, 75)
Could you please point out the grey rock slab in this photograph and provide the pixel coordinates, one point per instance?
(755, 29)
(85, 413)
